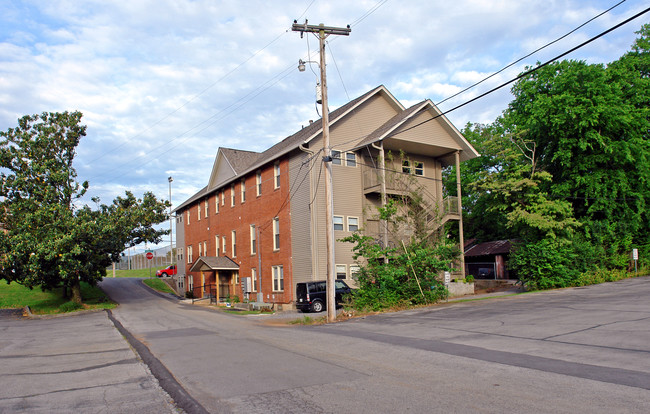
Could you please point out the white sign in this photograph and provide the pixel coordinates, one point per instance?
(635, 254)
(447, 278)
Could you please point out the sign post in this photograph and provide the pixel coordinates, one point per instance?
(149, 257)
(635, 257)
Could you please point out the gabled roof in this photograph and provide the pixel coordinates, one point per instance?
(226, 157)
(392, 128)
(214, 263)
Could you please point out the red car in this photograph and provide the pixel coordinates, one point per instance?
(168, 271)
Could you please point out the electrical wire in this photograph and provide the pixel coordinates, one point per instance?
(524, 74)
(530, 54)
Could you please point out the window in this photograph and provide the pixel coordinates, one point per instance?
(354, 271)
(232, 195)
(223, 244)
(258, 181)
(278, 278)
(190, 283)
(406, 166)
(198, 210)
(341, 272)
(205, 248)
(179, 254)
(242, 189)
(351, 159)
(353, 223)
(200, 246)
(338, 222)
(189, 254)
(223, 198)
(336, 157)
(206, 208)
(253, 240)
(217, 244)
(188, 217)
(276, 233)
(253, 280)
(276, 175)
(233, 241)
(413, 167)
(216, 204)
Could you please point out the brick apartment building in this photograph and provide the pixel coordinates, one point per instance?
(258, 226)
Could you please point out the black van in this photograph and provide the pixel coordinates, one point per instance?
(312, 296)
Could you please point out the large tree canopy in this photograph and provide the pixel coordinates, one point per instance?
(566, 168)
(48, 240)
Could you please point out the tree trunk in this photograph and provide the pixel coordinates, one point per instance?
(76, 291)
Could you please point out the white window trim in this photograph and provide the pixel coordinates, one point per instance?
(216, 204)
(217, 244)
(276, 233)
(242, 190)
(342, 223)
(206, 208)
(223, 197)
(253, 240)
(258, 183)
(189, 254)
(223, 244)
(336, 271)
(336, 157)
(232, 195)
(254, 279)
(276, 175)
(200, 251)
(233, 243)
(347, 160)
(352, 273)
(348, 223)
(198, 211)
(274, 278)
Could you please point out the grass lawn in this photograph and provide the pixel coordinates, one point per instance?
(49, 302)
(134, 272)
(158, 285)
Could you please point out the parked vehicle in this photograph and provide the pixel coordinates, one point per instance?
(312, 296)
(168, 271)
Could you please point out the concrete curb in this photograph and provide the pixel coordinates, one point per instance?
(165, 378)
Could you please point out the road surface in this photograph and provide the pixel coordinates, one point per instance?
(565, 351)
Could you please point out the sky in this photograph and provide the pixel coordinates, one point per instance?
(163, 84)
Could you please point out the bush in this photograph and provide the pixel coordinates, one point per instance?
(545, 264)
(189, 294)
(70, 306)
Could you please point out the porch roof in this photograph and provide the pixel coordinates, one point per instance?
(214, 263)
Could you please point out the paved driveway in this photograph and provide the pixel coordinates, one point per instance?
(566, 351)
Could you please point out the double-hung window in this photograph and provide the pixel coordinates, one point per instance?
(341, 272)
(223, 244)
(232, 195)
(278, 278)
(254, 280)
(338, 222)
(217, 244)
(234, 243)
(276, 233)
(205, 206)
(242, 189)
(353, 224)
(198, 210)
(350, 159)
(258, 182)
(336, 157)
(253, 240)
(276, 175)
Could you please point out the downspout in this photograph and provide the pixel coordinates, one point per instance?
(382, 188)
(312, 219)
(461, 238)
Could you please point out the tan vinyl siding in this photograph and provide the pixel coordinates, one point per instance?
(300, 219)
(368, 117)
(433, 133)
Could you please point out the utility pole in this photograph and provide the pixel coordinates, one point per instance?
(322, 32)
(171, 240)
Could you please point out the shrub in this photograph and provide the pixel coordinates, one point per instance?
(70, 306)
(189, 294)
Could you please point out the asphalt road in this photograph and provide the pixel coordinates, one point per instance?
(566, 351)
(73, 364)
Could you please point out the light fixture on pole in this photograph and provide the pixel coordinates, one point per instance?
(321, 31)
(171, 240)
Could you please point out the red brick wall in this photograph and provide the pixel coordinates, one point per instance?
(259, 211)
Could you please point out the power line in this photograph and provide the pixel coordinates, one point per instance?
(524, 74)
(530, 54)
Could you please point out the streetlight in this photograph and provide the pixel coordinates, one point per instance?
(171, 240)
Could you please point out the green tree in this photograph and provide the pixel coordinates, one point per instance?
(48, 241)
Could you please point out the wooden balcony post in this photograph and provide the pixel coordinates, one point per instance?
(461, 238)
